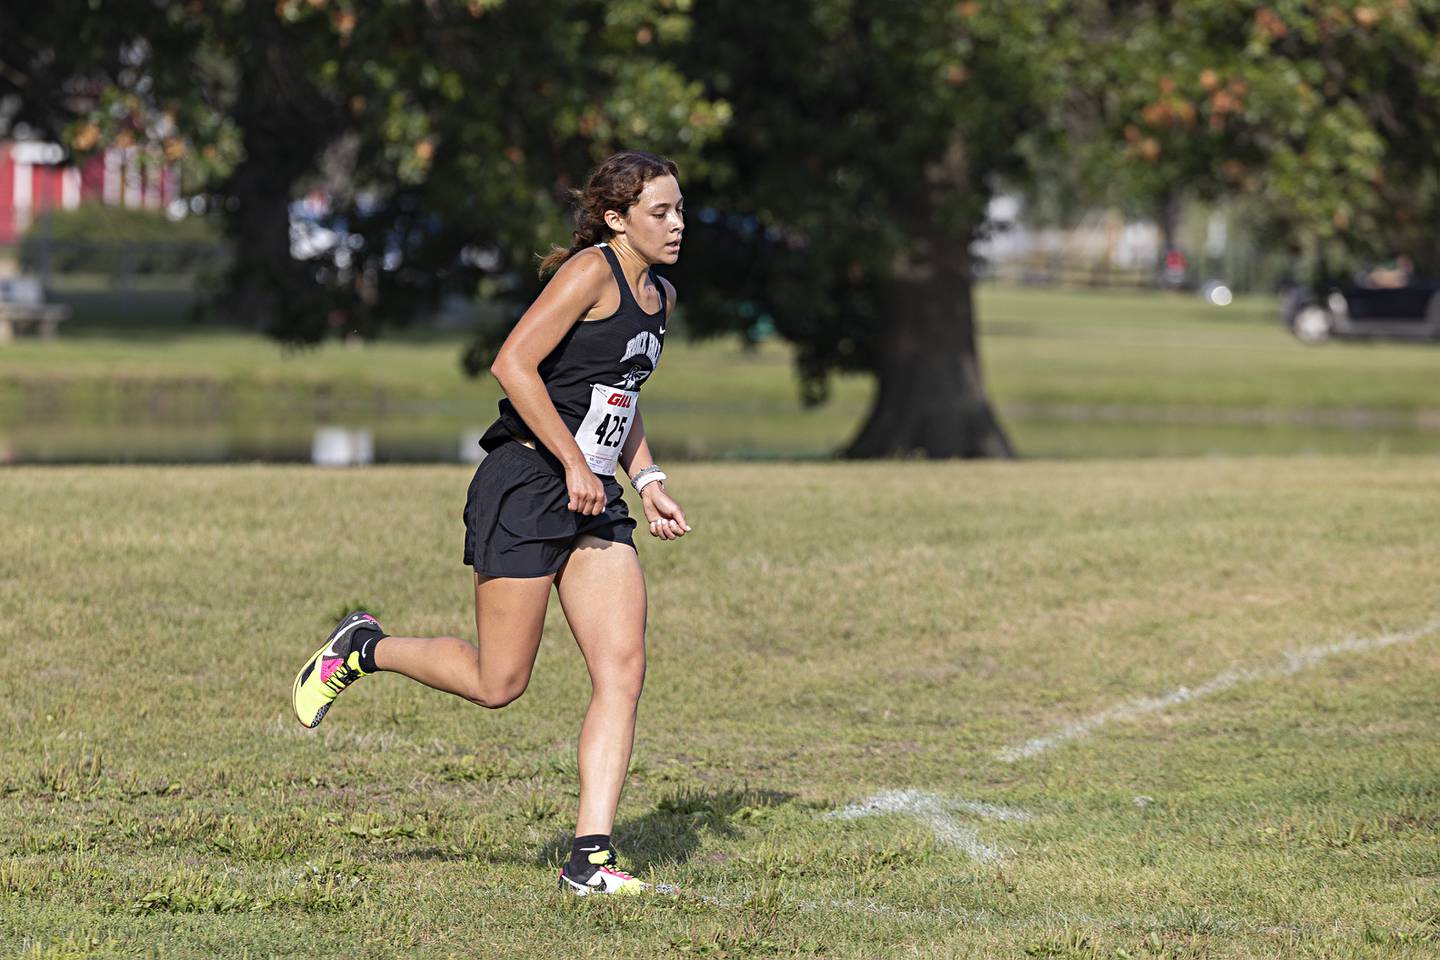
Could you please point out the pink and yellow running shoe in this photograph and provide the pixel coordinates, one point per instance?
(333, 667)
(600, 876)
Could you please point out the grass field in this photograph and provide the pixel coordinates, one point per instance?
(1110, 709)
(1075, 375)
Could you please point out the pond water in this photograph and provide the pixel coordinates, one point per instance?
(687, 435)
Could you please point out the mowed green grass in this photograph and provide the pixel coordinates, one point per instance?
(1173, 350)
(827, 633)
(1038, 347)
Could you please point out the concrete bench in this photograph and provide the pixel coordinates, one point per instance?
(23, 308)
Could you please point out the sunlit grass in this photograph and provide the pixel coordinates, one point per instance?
(828, 632)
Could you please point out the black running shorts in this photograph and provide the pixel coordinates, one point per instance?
(517, 522)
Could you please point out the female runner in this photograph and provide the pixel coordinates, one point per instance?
(544, 506)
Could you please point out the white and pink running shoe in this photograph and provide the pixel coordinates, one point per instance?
(600, 876)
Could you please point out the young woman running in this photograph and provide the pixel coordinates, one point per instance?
(544, 506)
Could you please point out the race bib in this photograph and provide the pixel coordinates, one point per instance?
(606, 425)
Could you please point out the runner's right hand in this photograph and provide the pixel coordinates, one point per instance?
(587, 493)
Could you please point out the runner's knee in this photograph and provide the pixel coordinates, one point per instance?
(494, 694)
(624, 679)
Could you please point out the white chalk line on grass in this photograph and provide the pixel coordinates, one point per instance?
(935, 811)
(1294, 662)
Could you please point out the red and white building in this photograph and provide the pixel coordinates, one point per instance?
(35, 177)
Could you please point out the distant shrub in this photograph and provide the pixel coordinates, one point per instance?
(115, 241)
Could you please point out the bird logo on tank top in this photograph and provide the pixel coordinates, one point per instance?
(644, 344)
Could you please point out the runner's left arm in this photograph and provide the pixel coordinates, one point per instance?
(667, 520)
(635, 455)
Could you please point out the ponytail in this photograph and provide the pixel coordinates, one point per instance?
(589, 230)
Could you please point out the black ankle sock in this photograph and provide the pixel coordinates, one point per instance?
(582, 847)
(367, 651)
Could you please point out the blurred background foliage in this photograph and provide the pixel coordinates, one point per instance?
(839, 155)
(119, 241)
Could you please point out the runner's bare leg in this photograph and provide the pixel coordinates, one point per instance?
(509, 616)
(602, 590)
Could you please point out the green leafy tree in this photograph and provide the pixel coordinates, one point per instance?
(839, 154)
(469, 125)
(221, 88)
(446, 133)
(867, 140)
(1324, 116)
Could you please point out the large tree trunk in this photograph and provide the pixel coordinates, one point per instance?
(264, 284)
(931, 400)
(285, 123)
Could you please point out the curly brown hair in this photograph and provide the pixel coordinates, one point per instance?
(614, 185)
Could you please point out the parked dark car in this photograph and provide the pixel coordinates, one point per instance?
(1354, 311)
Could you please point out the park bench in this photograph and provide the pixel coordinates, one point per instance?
(23, 308)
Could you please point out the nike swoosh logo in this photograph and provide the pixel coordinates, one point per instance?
(342, 635)
(662, 331)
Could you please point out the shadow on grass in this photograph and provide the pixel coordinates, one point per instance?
(672, 832)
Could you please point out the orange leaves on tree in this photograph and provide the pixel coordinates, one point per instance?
(1269, 25)
(1227, 101)
(1156, 114)
(1169, 112)
(1137, 144)
(1223, 102)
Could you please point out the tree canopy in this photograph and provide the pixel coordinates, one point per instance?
(1324, 116)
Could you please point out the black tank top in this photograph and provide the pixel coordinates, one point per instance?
(593, 376)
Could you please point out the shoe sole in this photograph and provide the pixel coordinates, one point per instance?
(581, 890)
(311, 664)
(570, 886)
